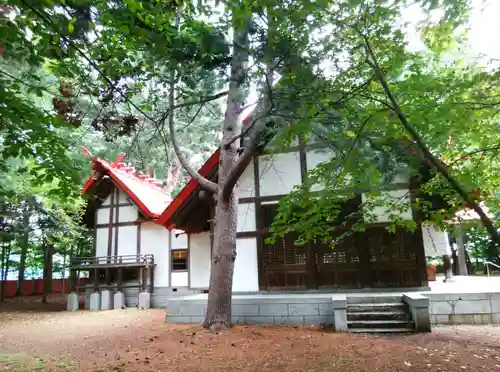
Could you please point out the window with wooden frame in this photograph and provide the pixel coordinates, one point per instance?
(179, 260)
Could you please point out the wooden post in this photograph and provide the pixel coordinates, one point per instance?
(96, 279)
(462, 264)
(120, 279)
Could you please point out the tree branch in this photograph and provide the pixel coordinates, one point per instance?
(440, 167)
(204, 182)
(483, 150)
(199, 101)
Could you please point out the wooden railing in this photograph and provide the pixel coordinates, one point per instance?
(121, 260)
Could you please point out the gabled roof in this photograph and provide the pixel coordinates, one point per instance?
(144, 191)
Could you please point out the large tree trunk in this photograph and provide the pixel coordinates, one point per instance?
(47, 271)
(218, 313)
(24, 251)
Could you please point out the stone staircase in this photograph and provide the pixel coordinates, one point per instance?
(378, 314)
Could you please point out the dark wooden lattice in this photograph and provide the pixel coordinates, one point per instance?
(374, 258)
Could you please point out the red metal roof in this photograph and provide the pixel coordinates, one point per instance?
(145, 192)
(166, 217)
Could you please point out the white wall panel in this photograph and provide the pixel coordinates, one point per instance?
(279, 173)
(179, 239)
(103, 215)
(315, 157)
(400, 198)
(246, 186)
(127, 214)
(155, 240)
(123, 197)
(436, 241)
(246, 217)
(246, 275)
(180, 279)
(107, 201)
(127, 240)
(199, 260)
(102, 241)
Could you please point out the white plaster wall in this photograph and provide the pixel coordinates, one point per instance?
(199, 260)
(102, 242)
(179, 239)
(315, 157)
(246, 186)
(127, 214)
(127, 240)
(436, 241)
(123, 197)
(155, 240)
(180, 279)
(279, 173)
(246, 275)
(246, 217)
(384, 212)
(108, 199)
(103, 215)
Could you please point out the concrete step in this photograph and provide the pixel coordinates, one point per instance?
(379, 315)
(378, 307)
(379, 324)
(373, 299)
(381, 330)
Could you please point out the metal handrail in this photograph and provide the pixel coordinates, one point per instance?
(488, 268)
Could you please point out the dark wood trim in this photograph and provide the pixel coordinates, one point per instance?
(94, 234)
(260, 199)
(111, 222)
(117, 220)
(139, 232)
(302, 160)
(270, 198)
(120, 224)
(117, 205)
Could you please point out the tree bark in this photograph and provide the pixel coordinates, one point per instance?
(24, 251)
(6, 249)
(47, 271)
(218, 315)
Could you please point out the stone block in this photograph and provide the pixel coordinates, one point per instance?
(72, 301)
(495, 305)
(326, 309)
(245, 310)
(270, 309)
(442, 319)
(303, 309)
(461, 318)
(433, 319)
(197, 319)
(495, 318)
(106, 300)
(416, 300)
(188, 309)
(473, 307)
(118, 300)
(178, 319)
(95, 301)
(340, 320)
(289, 320)
(144, 300)
(339, 301)
(238, 320)
(440, 307)
(482, 318)
(259, 320)
(320, 320)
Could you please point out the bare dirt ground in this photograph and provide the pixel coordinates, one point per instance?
(36, 337)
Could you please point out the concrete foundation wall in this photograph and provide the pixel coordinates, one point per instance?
(464, 308)
(259, 309)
